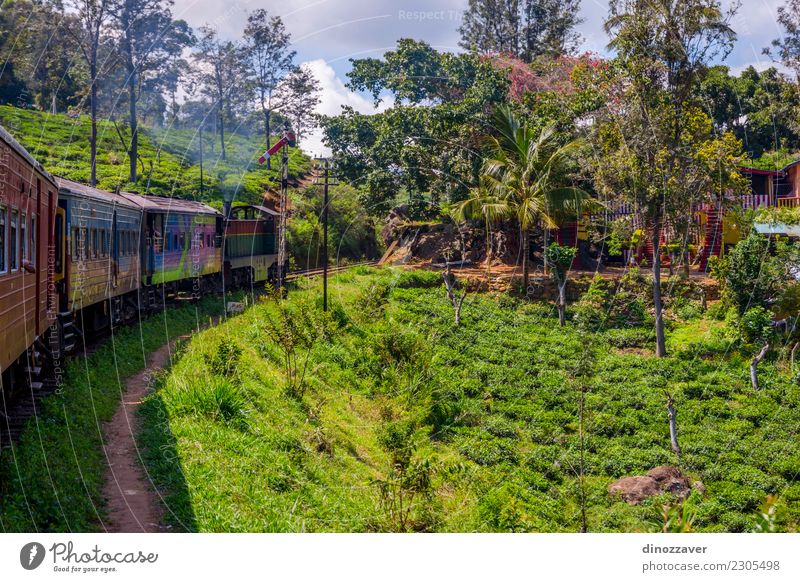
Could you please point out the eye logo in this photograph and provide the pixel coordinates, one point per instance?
(31, 555)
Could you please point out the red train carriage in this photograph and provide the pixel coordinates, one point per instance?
(28, 201)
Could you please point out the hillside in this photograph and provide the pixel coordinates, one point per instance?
(61, 144)
(399, 421)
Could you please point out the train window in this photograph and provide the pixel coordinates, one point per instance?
(84, 243)
(74, 244)
(128, 243)
(32, 257)
(104, 241)
(183, 241)
(14, 240)
(175, 242)
(208, 240)
(23, 237)
(3, 219)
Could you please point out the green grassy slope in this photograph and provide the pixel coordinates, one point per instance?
(487, 414)
(61, 144)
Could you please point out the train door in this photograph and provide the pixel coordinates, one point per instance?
(114, 251)
(149, 259)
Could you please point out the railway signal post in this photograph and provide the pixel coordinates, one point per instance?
(282, 145)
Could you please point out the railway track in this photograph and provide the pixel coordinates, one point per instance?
(331, 270)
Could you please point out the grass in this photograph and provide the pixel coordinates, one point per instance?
(61, 144)
(51, 481)
(475, 428)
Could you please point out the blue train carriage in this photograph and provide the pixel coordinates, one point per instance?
(101, 274)
(181, 247)
(249, 247)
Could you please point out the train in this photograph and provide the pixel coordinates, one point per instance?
(76, 260)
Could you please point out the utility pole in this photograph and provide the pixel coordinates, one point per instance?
(326, 166)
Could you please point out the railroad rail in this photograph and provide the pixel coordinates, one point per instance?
(331, 270)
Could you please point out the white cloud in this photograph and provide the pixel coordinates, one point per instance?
(333, 96)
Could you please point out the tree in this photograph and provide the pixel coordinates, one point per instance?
(220, 74)
(559, 260)
(521, 28)
(150, 40)
(297, 96)
(528, 173)
(426, 145)
(653, 136)
(788, 46)
(269, 61)
(93, 15)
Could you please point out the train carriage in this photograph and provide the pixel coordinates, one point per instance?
(249, 247)
(181, 246)
(101, 254)
(28, 199)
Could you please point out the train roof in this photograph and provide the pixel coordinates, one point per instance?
(261, 209)
(167, 205)
(17, 147)
(79, 189)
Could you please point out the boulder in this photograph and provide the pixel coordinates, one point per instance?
(672, 480)
(664, 479)
(634, 490)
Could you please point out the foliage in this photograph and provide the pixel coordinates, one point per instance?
(755, 325)
(754, 272)
(521, 29)
(425, 145)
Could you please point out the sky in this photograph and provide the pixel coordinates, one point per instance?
(327, 33)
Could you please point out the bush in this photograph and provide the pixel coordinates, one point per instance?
(418, 279)
(224, 360)
(755, 326)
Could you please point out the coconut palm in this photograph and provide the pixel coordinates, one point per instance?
(525, 177)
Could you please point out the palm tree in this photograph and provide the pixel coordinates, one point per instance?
(525, 177)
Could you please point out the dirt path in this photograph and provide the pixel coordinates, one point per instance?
(132, 504)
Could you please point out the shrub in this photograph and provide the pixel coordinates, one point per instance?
(755, 325)
(371, 302)
(224, 360)
(418, 279)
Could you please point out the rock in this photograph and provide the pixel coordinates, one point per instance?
(634, 490)
(671, 479)
(235, 307)
(699, 487)
(395, 221)
(664, 479)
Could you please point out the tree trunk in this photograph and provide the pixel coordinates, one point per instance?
(525, 267)
(562, 303)
(488, 259)
(221, 116)
(93, 113)
(133, 153)
(661, 348)
(268, 132)
(754, 365)
(673, 426)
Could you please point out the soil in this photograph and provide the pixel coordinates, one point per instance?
(132, 504)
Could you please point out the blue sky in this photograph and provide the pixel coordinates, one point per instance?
(327, 33)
